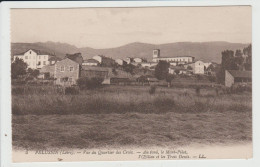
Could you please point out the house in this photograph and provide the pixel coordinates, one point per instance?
(129, 60)
(66, 72)
(237, 77)
(177, 70)
(104, 61)
(36, 59)
(206, 65)
(177, 59)
(148, 64)
(196, 67)
(120, 61)
(90, 62)
(47, 71)
(138, 60)
(75, 57)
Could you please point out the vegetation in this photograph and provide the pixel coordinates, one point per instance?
(161, 70)
(231, 61)
(18, 68)
(118, 116)
(89, 83)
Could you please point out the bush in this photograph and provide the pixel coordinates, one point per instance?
(152, 89)
(86, 83)
(71, 91)
(197, 91)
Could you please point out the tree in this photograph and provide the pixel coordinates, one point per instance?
(238, 53)
(248, 51)
(228, 62)
(129, 68)
(169, 78)
(33, 73)
(18, 68)
(161, 70)
(189, 68)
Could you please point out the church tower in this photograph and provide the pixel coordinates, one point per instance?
(156, 53)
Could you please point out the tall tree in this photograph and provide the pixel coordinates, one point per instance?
(248, 52)
(161, 70)
(18, 68)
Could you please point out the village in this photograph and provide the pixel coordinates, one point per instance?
(66, 72)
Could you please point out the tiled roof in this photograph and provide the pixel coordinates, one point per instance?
(91, 61)
(54, 58)
(39, 52)
(94, 68)
(240, 74)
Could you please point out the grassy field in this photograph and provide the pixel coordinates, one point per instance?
(119, 116)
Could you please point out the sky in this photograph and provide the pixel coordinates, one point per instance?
(113, 27)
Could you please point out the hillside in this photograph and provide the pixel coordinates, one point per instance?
(206, 51)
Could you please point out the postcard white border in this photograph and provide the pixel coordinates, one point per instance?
(5, 123)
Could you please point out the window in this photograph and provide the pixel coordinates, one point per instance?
(39, 63)
(62, 68)
(44, 63)
(30, 52)
(70, 79)
(71, 68)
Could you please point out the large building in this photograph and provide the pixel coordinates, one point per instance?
(178, 60)
(35, 59)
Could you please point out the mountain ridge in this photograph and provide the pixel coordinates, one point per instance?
(205, 51)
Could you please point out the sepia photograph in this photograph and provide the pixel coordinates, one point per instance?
(131, 83)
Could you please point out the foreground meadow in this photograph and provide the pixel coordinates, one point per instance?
(120, 116)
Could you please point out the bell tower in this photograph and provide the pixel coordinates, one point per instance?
(156, 53)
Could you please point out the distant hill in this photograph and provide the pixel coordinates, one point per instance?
(205, 51)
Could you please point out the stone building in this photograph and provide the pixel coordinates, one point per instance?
(237, 77)
(66, 72)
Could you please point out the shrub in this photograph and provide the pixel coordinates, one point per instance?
(86, 83)
(152, 89)
(71, 91)
(197, 90)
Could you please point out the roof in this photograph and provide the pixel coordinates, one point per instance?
(240, 74)
(174, 57)
(47, 68)
(94, 68)
(91, 61)
(66, 59)
(39, 52)
(54, 58)
(177, 68)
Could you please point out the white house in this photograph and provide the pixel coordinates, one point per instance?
(148, 64)
(129, 60)
(138, 60)
(120, 61)
(207, 64)
(98, 58)
(90, 62)
(198, 67)
(35, 59)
